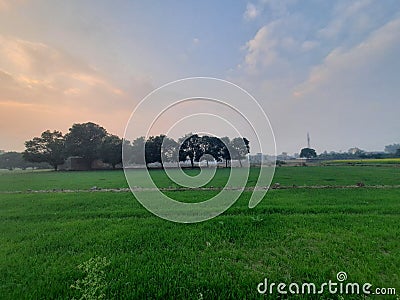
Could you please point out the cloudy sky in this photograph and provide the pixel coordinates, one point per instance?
(330, 68)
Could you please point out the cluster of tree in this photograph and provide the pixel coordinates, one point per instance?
(353, 153)
(12, 160)
(393, 149)
(91, 142)
(341, 155)
(191, 147)
(87, 140)
(308, 153)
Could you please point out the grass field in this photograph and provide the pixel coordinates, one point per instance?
(319, 175)
(368, 161)
(293, 235)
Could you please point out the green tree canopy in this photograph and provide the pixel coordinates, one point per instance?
(85, 140)
(308, 153)
(111, 150)
(392, 148)
(190, 148)
(135, 151)
(153, 149)
(239, 148)
(11, 160)
(48, 148)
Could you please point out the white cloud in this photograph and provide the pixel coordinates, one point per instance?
(356, 63)
(261, 50)
(278, 8)
(251, 12)
(271, 48)
(345, 92)
(347, 17)
(309, 45)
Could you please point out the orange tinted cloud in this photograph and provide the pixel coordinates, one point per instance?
(45, 88)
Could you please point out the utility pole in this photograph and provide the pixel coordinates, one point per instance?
(308, 140)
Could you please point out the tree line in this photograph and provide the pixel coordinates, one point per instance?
(90, 141)
(87, 140)
(12, 160)
(191, 147)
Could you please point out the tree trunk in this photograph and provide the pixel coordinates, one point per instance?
(240, 162)
(191, 162)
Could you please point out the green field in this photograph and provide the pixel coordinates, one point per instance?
(309, 176)
(293, 235)
(367, 161)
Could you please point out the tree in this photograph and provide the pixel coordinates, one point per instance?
(169, 150)
(392, 148)
(135, 154)
(225, 150)
(11, 160)
(48, 148)
(190, 148)
(214, 147)
(308, 153)
(211, 145)
(153, 151)
(239, 148)
(111, 150)
(85, 140)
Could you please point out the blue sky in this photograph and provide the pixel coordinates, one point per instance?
(330, 68)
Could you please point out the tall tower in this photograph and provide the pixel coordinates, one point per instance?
(308, 140)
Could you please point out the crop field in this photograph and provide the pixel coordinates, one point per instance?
(301, 176)
(368, 161)
(64, 245)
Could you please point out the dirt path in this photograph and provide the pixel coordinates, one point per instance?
(274, 187)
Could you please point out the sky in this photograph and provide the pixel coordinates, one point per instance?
(330, 68)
